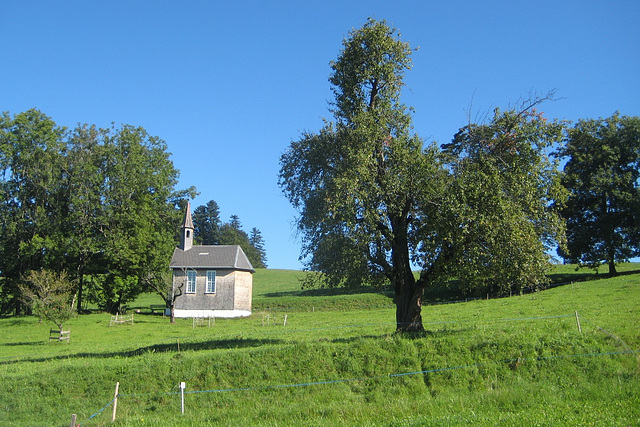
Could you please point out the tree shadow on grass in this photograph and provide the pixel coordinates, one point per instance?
(16, 344)
(156, 348)
(191, 346)
(429, 333)
(560, 279)
(565, 278)
(18, 321)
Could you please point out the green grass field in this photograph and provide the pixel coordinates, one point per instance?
(338, 361)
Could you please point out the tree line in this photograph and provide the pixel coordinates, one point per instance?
(210, 230)
(481, 213)
(97, 208)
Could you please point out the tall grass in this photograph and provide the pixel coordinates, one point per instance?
(512, 361)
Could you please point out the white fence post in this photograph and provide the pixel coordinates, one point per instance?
(182, 387)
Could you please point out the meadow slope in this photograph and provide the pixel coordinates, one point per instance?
(338, 361)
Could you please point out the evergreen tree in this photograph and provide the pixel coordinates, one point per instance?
(232, 234)
(234, 222)
(257, 241)
(206, 222)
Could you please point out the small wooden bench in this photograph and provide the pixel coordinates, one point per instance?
(119, 319)
(158, 307)
(57, 335)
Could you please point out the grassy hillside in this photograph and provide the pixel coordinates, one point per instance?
(337, 361)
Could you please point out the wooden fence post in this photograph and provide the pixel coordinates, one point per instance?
(73, 420)
(115, 402)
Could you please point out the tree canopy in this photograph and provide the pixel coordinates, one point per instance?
(100, 204)
(504, 194)
(206, 220)
(602, 175)
(374, 201)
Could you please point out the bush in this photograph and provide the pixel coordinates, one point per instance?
(49, 295)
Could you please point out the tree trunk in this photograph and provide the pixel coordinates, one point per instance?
(79, 293)
(611, 261)
(172, 312)
(408, 292)
(610, 236)
(409, 308)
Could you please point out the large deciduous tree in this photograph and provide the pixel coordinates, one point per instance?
(139, 213)
(602, 174)
(97, 203)
(364, 185)
(374, 202)
(32, 199)
(86, 182)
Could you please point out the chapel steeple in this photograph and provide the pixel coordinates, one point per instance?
(186, 239)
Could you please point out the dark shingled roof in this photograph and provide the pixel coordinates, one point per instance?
(215, 256)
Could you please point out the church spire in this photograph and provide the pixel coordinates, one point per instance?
(186, 240)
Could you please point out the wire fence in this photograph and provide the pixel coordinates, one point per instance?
(627, 350)
(347, 380)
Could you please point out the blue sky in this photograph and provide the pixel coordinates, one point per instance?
(228, 85)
